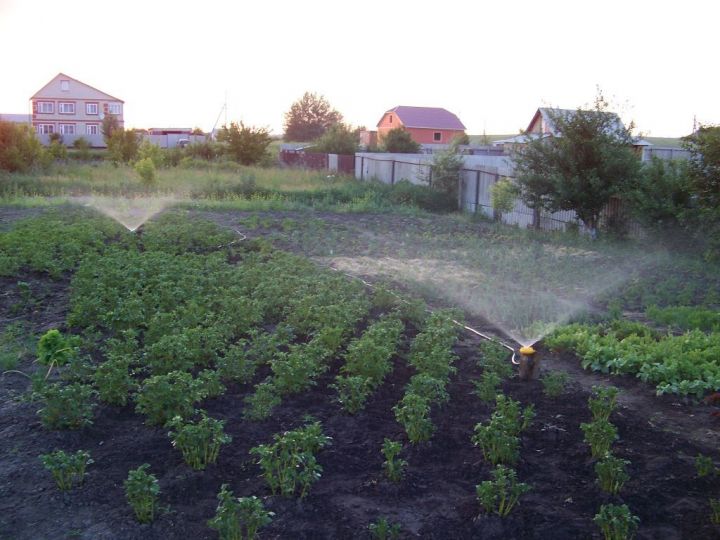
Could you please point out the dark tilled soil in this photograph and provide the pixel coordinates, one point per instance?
(435, 500)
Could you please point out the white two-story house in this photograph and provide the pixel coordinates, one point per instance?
(72, 109)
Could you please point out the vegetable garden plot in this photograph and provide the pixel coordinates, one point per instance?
(171, 326)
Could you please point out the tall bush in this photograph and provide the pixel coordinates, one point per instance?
(20, 149)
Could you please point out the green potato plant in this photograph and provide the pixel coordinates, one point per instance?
(142, 491)
(382, 529)
(260, 404)
(68, 470)
(554, 383)
(393, 466)
(238, 518)
(611, 473)
(501, 494)
(704, 466)
(616, 522)
(603, 401)
(199, 441)
(413, 413)
(66, 406)
(600, 435)
(352, 392)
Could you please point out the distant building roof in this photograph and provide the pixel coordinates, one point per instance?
(90, 92)
(16, 118)
(426, 117)
(549, 114)
(169, 131)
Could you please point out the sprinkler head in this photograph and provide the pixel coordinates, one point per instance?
(527, 350)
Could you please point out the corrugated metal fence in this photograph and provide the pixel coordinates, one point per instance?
(315, 160)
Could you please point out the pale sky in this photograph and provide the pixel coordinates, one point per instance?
(492, 63)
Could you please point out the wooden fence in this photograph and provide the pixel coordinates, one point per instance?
(315, 160)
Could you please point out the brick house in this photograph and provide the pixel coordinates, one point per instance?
(73, 109)
(426, 125)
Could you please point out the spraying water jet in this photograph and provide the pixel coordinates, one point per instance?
(130, 212)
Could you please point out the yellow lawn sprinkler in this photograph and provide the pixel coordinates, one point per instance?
(529, 366)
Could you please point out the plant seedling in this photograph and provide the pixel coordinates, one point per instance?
(141, 491)
(554, 383)
(198, 441)
(603, 401)
(394, 466)
(600, 435)
(66, 469)
(616, 522)
(704, 465)
(412, 412)
(501, 494)
(715, 511)
(238, 518)
(611, 473)
(486, 387)
(382, 529)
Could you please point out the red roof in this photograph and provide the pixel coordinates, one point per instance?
(426, 117)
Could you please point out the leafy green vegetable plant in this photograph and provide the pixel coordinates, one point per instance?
(715, 511)
(163, 397)
(289, 464)
(499, 438)
(486, 387)
(142, 491)
(66, 469)
(393, 465)
(199, 441)
(260, 404)
(382, 529)
(494, 357)
(352, 392)
(55, 350)
(603, 401)
(501, 494)
(704, 465)
(113, 380)
(611, 473)
(554, 383)
(429, 388)
(238, 518)
(413, 413)
(66, 406)
(600, 435)
(616, 522)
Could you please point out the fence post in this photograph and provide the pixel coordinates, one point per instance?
(362, 167)
(477, 190)
(392, 177)
(429, 175)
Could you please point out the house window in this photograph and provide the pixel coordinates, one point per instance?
(46, 107)
(114, 108)
(66, 108)
(91, 108)
(45, 129)
(67, 129)
(64, 86)
(437, 136)
(91, 129)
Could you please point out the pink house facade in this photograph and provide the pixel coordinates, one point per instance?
(426, 125)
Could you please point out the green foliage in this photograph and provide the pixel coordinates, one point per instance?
(499, 439)
(289, 464)
(413, 413)
(110, 124)
(198, 441)
(611, 473)
(589, 161)
(686, 365)
(16, 342)
(309, 118)
(163, 397)
(56, 350)
(428, 387)
(495, 358)
(67, 469)
(393, 466)
(238, 518)
(260, 404)
(82, 145)
(113, 381)
(122, 145)
(503, 194)
(153, 152)
(352, 391)
(501, 494)
(146, 170)
(554, 383)
(715, 511)
(686, 317)
(704, 466)
(446, 167)
(57, 149)
(603, 401)
(338, 139)
(599, 434)
(20, 150)
(382, 529)
(369, 356)
(399, 141)
(245, 144)
(66, 406)
(486, 387)
(616, 522)
(142, 491)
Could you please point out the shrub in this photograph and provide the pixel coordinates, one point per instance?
(399, 141)
(198, 441)
(616, 522)
(66, 469)
(20, 150)
(554, 383)
(82, 146)
(66, 406)
(338, 139)
(394, 467)
(611, 473)
(503, 194)
(163, 397)
(153, 152)
(445, 169)
(142, 491)
(289, 464)
(238, 518)
(501, 494)
(245, 144)
(412, 412)
(146, 170)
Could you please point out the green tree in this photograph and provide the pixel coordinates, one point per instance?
(338, 139)
(123, 145)
(110, 125)
(588, 160)
(503, 194)
(246, 145)
(399, 141)
(309, 118)
(19, 147)
(704, 177)
(446, 167)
